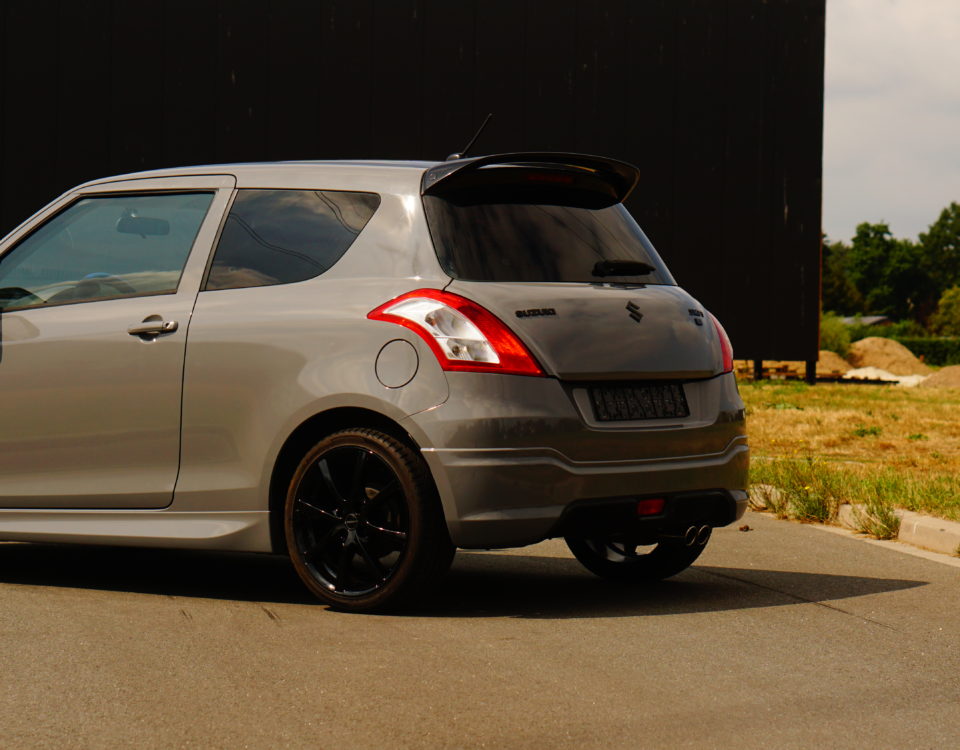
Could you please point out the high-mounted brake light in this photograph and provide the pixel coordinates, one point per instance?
(462, 335)
(726, 348)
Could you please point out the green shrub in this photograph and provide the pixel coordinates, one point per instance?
(834, 334)
(946, 320)
(939, 351)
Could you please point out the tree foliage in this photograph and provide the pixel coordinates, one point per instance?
(878, 273)
(946, 320)
(941, 248)
(838, 292)
(890, 273)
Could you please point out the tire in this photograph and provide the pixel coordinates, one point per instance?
(620, 560)
(363, 523)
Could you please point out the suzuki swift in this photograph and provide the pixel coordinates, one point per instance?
(364, 366)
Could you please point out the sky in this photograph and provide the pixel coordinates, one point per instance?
(891, 114)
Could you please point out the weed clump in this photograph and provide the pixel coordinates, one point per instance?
(807, 491)
(878, 518)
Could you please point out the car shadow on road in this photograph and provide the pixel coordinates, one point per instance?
(479, 584)
(208, 575)
(490, 584)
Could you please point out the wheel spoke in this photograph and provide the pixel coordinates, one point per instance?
(356, 485)
(317, 547)
(372, 561)
(343, 565)
(381, 530)
(385, 492)
(304, 504)
(328, 480)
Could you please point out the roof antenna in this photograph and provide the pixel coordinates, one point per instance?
(473, 140)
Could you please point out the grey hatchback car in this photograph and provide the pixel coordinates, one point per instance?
(364, 366)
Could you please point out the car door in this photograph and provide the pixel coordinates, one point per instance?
(96, 297)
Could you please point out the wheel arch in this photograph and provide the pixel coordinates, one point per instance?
(307, 434)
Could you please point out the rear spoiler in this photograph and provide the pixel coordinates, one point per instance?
(619, 175)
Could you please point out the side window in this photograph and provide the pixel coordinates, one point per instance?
(104, 247)
(282, 236)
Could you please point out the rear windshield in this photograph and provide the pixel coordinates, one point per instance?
(541, 242)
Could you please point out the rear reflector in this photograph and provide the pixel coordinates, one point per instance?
(462, 334)
(651, 506)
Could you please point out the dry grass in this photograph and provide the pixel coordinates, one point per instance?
(856, 443)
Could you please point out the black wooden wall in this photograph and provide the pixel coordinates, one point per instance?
(719, 102)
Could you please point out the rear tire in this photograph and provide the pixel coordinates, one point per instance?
(364, 526)
(619, 559)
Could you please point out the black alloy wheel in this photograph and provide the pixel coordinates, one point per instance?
(620, 559)
(364, 527)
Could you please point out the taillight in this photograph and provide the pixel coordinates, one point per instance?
(463, 335)
(726, 348)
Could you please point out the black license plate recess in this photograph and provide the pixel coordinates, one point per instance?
(626, 402)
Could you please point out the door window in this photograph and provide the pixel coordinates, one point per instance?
(104, 247)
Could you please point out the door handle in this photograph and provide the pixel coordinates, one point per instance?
(153, 328)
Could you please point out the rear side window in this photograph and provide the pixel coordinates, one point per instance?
(282, 236)
(480, 239)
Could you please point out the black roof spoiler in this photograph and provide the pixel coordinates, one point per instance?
(620, 175)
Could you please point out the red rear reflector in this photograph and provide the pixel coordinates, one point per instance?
(650, 507)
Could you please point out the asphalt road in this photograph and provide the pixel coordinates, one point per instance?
(784, 636)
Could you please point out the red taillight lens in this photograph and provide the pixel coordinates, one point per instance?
(463, 335)
(726, 348)
(652, 506)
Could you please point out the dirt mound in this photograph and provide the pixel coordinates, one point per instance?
(948, 377)
(829, 362)
(885, 354)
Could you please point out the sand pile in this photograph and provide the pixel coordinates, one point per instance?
(948, 377)
(885, 354)
(830, 362)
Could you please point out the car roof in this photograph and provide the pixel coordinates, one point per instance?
(279, 170)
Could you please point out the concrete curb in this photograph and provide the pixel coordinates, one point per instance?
(915, 529)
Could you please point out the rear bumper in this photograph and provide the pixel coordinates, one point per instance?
(513, 497)
(511, 456)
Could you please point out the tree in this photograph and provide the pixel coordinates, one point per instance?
(891, 274)
(839, 293)
(941, 248)
(946, 320)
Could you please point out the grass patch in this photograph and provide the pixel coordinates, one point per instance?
(820, 452)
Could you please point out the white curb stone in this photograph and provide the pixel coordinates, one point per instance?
(932, 533)
(916, 529)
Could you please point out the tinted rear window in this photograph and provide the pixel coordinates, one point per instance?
(538, 242)
(282, 236)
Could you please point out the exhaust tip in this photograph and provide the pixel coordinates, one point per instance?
(703, 535)
(690, 536)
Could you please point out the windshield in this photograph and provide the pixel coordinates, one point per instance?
(534, 242)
